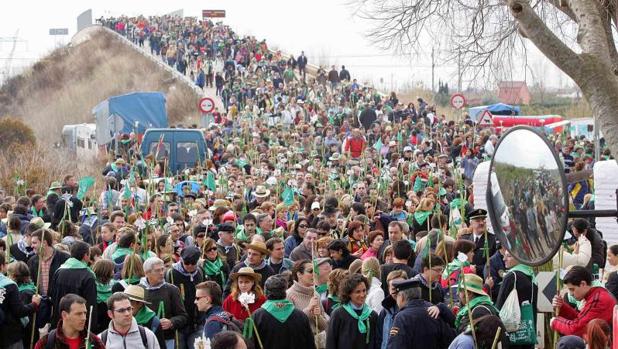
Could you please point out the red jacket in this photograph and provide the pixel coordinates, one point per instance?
(355, 146)
(599, 304)
(234, 307)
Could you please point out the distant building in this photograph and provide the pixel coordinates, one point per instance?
(513, 92)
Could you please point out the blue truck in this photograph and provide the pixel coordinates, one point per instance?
(182, 148)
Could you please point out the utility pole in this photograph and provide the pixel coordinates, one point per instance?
(459, 70)
(433, 67)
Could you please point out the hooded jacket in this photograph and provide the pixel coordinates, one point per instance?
(132, 339)
(186, 282)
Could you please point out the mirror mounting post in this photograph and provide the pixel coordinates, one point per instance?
(596, 213)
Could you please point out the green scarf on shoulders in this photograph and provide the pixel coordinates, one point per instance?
(121, 252)
(5, 281)
(104, 291)
(281, 309)
(363, 319)
(421, 216)
(479, 300)
(73, 263)
(27, 287)
(213, 268)
(144, 315)
(526, 270)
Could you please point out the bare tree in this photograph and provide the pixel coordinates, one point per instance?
(578, 36)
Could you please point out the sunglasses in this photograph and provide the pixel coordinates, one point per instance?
(211, 249)
(303, 226)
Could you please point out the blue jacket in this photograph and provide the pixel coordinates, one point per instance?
(414, 328)
(387, 315)
(212, 327)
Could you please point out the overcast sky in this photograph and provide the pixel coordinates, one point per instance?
(324, 29)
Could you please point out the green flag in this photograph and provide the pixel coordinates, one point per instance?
(288, 196)
(84, 185)
(210, 181)
(378, 145)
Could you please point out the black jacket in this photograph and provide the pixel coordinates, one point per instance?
(174, 309)
(19, 254)
(295, 332)
(414, 328)
(78, 281)
(612, 284)
(187, 292)
(343, 332)
(526, 291)
(57, 260)
(13, 308)
(385, 269)
(496, 269)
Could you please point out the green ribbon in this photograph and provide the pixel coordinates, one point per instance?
(247, 329)
(280, 309)
(479, 300)
(336, 302)
(73, 263)
(104, 291)
(144, 315)
(363, 319)
(213, 268)
(321, 288)
(161, 310)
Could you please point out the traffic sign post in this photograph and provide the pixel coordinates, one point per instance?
(206, 106)
(458, 101)
(486, 119)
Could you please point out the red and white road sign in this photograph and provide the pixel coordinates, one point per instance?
(206, 105)
(458, 101)
(486, 119)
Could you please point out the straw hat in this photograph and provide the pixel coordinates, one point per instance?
(39, 223)
(259, 246)
(247, 271)
(472, 283)
(55, 185)
(136, 293)
(261, 191)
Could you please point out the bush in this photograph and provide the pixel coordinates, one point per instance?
(14, 132)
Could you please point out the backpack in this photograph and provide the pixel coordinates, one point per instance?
(142, 333)
(228, 320)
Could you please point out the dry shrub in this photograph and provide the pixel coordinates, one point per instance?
(63, 87)
(39, 166)
(14, 132)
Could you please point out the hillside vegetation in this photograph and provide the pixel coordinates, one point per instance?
(63, 87)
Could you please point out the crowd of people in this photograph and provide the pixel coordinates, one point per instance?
(328, 216)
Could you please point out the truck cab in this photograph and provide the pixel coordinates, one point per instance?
(183, 148)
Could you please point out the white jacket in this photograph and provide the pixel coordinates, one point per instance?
(581, 258)
(132, 340)
(375, 296)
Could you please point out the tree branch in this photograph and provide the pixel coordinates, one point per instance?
(543, 38)
(592, 35)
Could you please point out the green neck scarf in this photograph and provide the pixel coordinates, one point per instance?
(73, 263)
(213, 268)
(363, 319)
(5, 281)
(421, 216)
(27, 287)
(336, 302)
(526, 270)
(104, 291)
(144, 315)
(479, 300)
(280, 309)
(321, 288)
(456, 264)
(121, 252)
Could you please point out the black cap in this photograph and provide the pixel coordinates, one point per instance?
(190, 195)
(226, 227)
(406, 284)
(478, 213)
(190, 255)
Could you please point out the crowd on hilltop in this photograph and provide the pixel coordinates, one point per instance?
(327, 216)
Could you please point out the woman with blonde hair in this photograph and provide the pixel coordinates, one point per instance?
(132, 271)
(375, 295)
(332, 302)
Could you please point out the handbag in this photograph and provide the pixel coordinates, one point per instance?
(510, 314)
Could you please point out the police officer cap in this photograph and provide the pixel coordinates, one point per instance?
(478, 213)
(406, 284)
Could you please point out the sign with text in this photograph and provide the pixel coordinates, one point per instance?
(458, 101)
(59, 31)
(213, 13)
